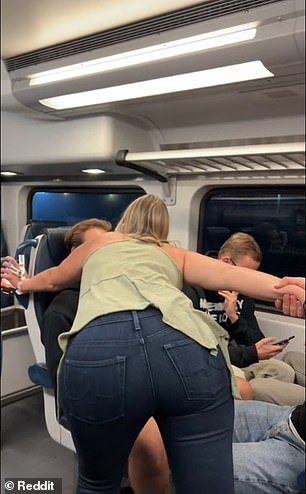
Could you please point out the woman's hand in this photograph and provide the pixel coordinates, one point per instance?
(292, 303)
(11, 262)
(290, 306)
(10, 271)
(8, 275)
(291, 280)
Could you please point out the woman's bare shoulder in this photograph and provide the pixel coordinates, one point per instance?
(106, 238)
(176, 253)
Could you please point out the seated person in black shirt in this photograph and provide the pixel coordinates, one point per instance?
(250, 352)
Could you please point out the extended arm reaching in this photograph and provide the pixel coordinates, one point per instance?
(197, 269)
(214, 275)
(52, 279)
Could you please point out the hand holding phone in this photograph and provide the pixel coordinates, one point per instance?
(283, 342)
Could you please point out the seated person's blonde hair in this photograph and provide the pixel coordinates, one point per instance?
(239, 245)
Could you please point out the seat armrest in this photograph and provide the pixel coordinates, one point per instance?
(39, 374)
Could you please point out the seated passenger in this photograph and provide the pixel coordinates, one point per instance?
(249, 350)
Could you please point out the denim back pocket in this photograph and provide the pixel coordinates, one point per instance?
(94, 390)
(203, 375)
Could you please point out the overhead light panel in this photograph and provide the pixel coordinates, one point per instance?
(164, 85)
(93, 171)
(9, 173)
(163, 51)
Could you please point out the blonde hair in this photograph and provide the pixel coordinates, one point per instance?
(146, 219)
(74, 237)
(241, 244)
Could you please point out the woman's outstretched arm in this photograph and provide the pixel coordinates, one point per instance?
(55, 278)
(215, 275)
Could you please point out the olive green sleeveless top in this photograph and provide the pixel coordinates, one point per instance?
(132, 275)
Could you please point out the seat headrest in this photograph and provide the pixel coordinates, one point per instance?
(55, 244)
(50, 251)
(34, 228)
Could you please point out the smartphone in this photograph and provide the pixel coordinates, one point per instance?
(283, 342)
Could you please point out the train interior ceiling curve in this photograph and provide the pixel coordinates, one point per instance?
(38, 140)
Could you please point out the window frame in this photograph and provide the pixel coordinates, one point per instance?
(294, 189)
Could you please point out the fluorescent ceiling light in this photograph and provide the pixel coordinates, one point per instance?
(10, 174)
(93, 171)
(185, 46)
(164, 85)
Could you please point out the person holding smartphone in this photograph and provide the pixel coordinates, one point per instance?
(251, 353)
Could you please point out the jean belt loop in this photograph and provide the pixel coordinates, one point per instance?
(136, 320)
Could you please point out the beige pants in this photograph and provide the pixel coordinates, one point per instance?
(273, 381)
(296, 360)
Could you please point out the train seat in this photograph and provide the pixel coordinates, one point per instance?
(39, 374)
(46, 250)
(29, 232)
(35, 228)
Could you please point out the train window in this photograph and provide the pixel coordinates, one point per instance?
(274, 217)
(68, 206)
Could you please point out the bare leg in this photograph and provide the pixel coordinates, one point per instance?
(148, 465)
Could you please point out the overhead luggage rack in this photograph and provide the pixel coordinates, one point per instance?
(249, 161)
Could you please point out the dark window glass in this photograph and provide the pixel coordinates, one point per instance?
(67, 207)
(274, 217)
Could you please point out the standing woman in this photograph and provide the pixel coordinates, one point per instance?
(138, 349)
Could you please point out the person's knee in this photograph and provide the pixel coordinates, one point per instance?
(277, 369)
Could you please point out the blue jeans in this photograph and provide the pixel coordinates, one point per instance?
(125, 367)
(268, 457)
